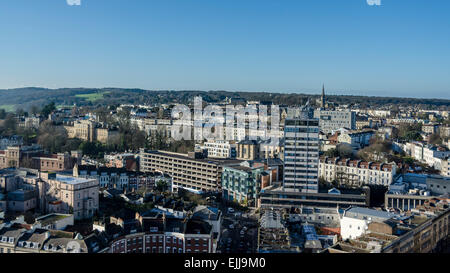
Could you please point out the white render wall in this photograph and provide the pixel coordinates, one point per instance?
(352, 228)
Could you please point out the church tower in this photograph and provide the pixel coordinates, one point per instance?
(322, 100)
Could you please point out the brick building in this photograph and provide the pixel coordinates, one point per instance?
(161, 234)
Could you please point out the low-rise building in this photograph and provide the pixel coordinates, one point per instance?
(10, 141)
(433, 156)
(67, 195)
(320, 216)
(424, 229)
(122, 160)
(356, 139)
(212, 216)
(273, 236)
(21, 200)
(431, 128)
(354, 221)
(56, 162)
(277, 197)
(54, 221)
(407, 192)
(17, 238)
(121, 178)
(438, 185)
(91, 131)
(14, 156)
(158, 233)
(31, 122)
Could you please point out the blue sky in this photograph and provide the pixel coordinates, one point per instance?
(401, 48)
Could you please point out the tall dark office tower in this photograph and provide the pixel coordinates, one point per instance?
(301, 151)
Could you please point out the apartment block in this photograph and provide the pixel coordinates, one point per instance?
(187, 172)
(241, 184)
(219, 149)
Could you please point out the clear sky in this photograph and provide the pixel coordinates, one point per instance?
(401, 48)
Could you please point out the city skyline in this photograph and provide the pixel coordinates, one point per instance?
(290, 47)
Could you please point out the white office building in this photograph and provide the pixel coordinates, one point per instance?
(332, 120)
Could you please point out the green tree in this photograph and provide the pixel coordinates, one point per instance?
(161, 186)
(332, 153)
(9, 125)
(2, 113)
(48, 109)
(51, 137)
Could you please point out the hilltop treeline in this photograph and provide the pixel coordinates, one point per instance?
(25, 98)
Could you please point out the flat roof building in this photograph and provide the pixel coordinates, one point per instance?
(194, 174)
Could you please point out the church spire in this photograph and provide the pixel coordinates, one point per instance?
(322, 101)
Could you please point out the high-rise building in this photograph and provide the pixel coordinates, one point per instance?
(301, 151)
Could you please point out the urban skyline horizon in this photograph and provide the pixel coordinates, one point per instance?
(354, 47)
(302, 91)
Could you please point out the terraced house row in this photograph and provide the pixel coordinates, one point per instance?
(19, 238)
(356, 172)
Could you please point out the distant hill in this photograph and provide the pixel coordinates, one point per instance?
(24, 98)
